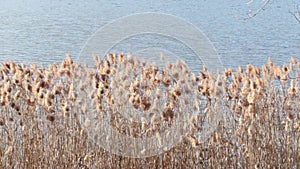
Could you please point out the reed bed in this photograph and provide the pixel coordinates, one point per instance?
(46, 114)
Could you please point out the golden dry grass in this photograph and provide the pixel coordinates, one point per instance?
(44, 112)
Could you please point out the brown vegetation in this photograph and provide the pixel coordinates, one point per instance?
(45, 114)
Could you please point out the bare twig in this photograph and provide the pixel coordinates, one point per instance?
(249, 2)
(296, 12)
(251, 14)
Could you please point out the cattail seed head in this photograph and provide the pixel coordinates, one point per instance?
(297, 126)
(270, 62)
(87, 123)
(193, 141)
(8, 150)
(2, 121)
(290, 116)
(285, 68)
(168, 113)
(251, 130)
(51, 118)
(293, 60)
(17, 95)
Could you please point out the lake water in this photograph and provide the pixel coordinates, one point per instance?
(43, 31)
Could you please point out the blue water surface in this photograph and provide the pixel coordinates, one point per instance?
(43, 31)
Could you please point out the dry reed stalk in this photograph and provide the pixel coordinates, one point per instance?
(46, 113)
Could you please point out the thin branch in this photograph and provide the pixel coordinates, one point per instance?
(296, 12)
(250, 2)
(251, 15)
(297, 17)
